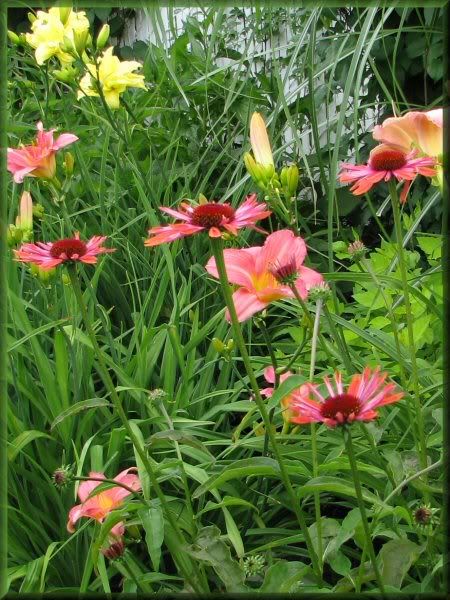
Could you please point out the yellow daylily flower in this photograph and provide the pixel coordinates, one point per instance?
(49, 33)
(113, 76)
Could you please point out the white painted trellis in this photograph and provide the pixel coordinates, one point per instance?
(162, 25)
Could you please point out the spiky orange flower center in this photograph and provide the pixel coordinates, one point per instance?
(345, 404)
(69, 247)
(387, 159)
(212, 214)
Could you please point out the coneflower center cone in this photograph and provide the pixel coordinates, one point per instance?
(342, 404)
(212, 214)
(387, 159)
(285, 274)
(69, 247)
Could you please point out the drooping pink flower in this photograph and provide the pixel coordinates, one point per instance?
(100, 505)
(48, 255)
(263, 273)
(214, 217)
(385, 162)
(365, 394)
(269, 375)
(421, 130)
(38, 160)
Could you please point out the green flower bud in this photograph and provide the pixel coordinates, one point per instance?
(64, 13)
(31, 17)
(218, 345)
(102, 37)
(289, 180)
(38, 211)
(13, 235)
(68, 164)
(14, 38)
(80, 40)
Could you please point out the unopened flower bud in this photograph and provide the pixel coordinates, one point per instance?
(289, 180)
(38, 211)
(44, 275)
(320, 291)
(67, 45)
(62, 476)
(65, 279)
(254, 565)
(425, 516)
(115, 550)
(156, 395)
(64, 13)
(202, 199)
(13, 235)
(25, 219)
(102, 37)
(230, 345)
(66, 75)
(68, 163)
(14, 38)
(80, 41)
(218, 345)
(356, 250)
(31, 17)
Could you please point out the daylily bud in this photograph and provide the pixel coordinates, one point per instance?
(38, 211)
(289, 180)
(13, 236)
(64, 13)
(65, 279)
(67, 45)
(202, 199)
(44, 275)
(218, 345)
(66, 75)
(14, 38)
(31, 17)
(80, 39)
(260, 141)
(102, 37)
(25, 218)
(68, 164)
(230, 345)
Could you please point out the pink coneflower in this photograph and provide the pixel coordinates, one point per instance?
(39, 159)
(100, 505)
(265, 273)
(48, 255)
(385, 162)
(364, 395)
(213, 217)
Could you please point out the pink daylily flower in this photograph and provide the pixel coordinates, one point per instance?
(47, 255)
(385, 162)
(38, 160)
(269, 376)
(100, 505)
(260, 271)
(365, 394)
(422, 130)
(213, 217)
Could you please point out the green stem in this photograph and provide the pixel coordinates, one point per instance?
(113, 481)
(71, 268)
(409, 322)
(260, 323)
(315, 462)
(217, 248)
(362, 510)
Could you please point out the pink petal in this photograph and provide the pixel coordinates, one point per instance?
(269, 374)
(246, 304)
(86, 487)
(309, 277)
(176, 214)
(239, 264)
(280, 248)
(64, 140)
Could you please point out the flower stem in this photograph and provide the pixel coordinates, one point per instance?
(362, 510)
(315, 462)
(217, 248)
(409, 322)
(71, 268)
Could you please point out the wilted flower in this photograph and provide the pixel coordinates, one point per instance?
(365, 394)
(38, 160)
(100, 505)
(50, 29)
(48, 255)
(259, 272)
(386, 162)
(213, 217)
(115, 549)
(113, 76)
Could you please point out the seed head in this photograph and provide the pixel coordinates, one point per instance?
(62, 476)
(356, 250)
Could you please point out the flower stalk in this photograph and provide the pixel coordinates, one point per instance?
(217, 248)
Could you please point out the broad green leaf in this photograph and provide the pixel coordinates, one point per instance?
(153, 523)
(282, 575)
(23, 439)
(396, 558)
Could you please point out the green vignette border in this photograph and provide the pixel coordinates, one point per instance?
(44, 4)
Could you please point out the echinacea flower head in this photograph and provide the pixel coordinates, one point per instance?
(259, 140)
(115, 549)
(50, 29)
(47, 255)
(265, 273)
(98, 506)
(213, 217)
(386, 162)
(338, 406)
(415, 129)
(269, 376)
(38, 160)
(113, 76)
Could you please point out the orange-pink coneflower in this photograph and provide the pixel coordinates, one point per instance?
(386, 162)
(213, 217)
(47, 255)
(359, 402)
